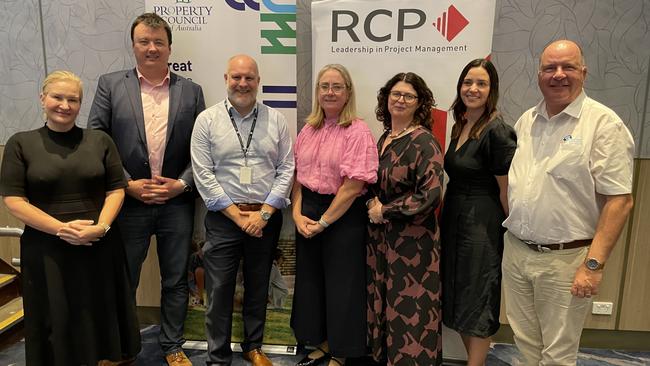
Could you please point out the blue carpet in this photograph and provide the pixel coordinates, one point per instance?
(507, 354)
(500, 355)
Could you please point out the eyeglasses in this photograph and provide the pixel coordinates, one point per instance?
(336, 88)
(408, 98)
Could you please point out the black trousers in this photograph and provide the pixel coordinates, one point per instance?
(226, 244)
(329, 301)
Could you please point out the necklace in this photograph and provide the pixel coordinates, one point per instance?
(396, 135)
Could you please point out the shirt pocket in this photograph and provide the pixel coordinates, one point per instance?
(567, 162)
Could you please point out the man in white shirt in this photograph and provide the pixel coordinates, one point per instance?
(569, 195)
(243, 166)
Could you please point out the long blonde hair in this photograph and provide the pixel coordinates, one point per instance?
(349, 112)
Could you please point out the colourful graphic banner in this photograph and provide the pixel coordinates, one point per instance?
(379, 38)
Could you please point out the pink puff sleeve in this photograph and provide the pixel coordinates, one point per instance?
(360, 159)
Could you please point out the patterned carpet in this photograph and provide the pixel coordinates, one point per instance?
(507, 354)
(500, 355)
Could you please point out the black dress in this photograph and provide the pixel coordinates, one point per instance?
(471, 231)
(77, 299)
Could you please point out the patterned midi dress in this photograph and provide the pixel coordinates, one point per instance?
(404, 254)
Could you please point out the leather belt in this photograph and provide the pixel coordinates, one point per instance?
(538, 247)
(249, 206)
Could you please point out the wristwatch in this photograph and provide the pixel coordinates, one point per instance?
(186, 187)
(266, 216)
(104, 226)
(593, 264)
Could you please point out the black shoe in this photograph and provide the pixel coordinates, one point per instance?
(314, 361)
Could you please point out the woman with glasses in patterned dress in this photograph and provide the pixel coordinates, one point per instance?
(404, 247)
(336, 158)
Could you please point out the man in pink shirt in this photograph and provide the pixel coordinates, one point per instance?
(149, 112)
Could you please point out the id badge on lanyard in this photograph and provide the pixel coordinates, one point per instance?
(245, 172)
(245, 175)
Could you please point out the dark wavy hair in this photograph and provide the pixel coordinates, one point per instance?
(425, 100)
(152, 20)
(459, 108)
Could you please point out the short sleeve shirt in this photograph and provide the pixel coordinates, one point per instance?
(562, 166)
(326, 155)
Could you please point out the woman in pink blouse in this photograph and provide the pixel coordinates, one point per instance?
(336, 157)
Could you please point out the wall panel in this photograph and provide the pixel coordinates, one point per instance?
(149, 290)
(21, 67)
(611, 34)
(89, 38)
(636, 287)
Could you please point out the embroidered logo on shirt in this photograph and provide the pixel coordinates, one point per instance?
(570, 140)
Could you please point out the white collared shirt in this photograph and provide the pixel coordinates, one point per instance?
(217, 157)
(560, 165)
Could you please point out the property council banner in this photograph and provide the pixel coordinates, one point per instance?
(375, 39)
(206, 33)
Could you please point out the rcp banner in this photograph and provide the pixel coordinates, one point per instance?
(206, 33)
(375, 39)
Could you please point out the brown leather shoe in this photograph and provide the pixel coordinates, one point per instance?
(129, 362)
(178, 359)
(107, 363)
(257, 358)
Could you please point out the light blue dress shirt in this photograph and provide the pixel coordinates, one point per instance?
(217, 157)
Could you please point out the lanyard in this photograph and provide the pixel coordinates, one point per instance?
(250, 134)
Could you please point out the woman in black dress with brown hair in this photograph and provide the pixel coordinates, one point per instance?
(404, 247)
(67, 185)
(475, 205)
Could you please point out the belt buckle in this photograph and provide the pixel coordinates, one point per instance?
(539, 247)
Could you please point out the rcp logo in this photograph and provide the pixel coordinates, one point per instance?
(401, 21)
(450, 23)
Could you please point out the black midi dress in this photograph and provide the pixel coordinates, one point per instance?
(471, 231)
(77, 299)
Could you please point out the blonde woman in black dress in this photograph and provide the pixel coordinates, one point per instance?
(66, 184)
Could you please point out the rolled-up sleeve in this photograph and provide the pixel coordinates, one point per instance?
(612, 158)
(360, 158)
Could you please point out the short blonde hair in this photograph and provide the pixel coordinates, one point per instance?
(349, 112)
(62, 75)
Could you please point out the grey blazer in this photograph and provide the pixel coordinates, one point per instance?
(117, 110)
